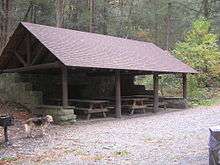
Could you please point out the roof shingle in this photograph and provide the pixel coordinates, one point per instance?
(83, 49)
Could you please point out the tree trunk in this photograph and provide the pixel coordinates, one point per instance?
(121, 19)
(59, 13)
(27, 13)
(154, 28)
(92, 15)
(2, 25)
(168, 28)
(75, 16)
(206, 8)
(105, 17)
(5, 21)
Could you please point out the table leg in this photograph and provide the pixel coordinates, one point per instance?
(88, 116)
(104, 114)
(142, 103)
(132, 111)
(102, 107)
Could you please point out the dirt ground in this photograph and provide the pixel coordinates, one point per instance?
(168, 137)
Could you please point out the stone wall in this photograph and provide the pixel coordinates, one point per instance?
(13, 89)
(49, 84)
(60, 114)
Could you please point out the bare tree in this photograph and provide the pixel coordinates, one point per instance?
(168, 26)
(59, 13)
(31, 15)
(206, 9)
(5, 21)
(92, 15)
(105, 17)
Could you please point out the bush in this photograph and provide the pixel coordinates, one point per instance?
(200, 50)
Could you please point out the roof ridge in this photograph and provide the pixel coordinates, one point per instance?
(85, 32)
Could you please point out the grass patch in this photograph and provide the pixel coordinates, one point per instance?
(8, 159)
(122, 153)
(98, 157)
(1, 146)
(80, 152)
(213, 101)
(206, 98)
(216, 100)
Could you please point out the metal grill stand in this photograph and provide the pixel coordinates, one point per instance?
(6, 134)
(214, 145)
(6, 121)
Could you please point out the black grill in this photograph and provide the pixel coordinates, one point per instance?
(6, 121)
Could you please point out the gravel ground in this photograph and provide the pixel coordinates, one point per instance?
(171, 137)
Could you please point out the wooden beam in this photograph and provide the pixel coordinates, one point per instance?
(22, 38)
(118, 94)
(65, 86)
(156, 89)
(184, 85)
(20, 58)
(28, 44)
(37, 56)
(33, 67)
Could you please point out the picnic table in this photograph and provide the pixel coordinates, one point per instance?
(141, 102)
(135, 104)
(90, 106)
(87, 106)
(149, 100)
(138, 96)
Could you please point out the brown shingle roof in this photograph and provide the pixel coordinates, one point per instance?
(82, 49)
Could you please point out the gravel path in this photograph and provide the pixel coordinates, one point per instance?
(176, 137)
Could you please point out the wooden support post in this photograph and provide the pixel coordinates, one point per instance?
(65, 86)
(156, 96)
(184, 86)
(118, 94)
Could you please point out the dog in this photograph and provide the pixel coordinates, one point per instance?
(37, 122)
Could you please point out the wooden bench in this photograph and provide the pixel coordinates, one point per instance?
(132, 108)
(150, 102)
(93, 106)
(134, 104)
(90, 111)
(140, 102)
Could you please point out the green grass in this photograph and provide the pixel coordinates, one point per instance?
(8, 159)
(207, 102)
(121, 153)
(1, 146)
(215, 100)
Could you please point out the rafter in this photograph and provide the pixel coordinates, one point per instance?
(37, 56)
(18, 56)
(28, 42)
(19, 43)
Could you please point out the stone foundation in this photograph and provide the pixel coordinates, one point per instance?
(61, 115)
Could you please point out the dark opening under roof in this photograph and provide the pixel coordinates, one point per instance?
(90, 50)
